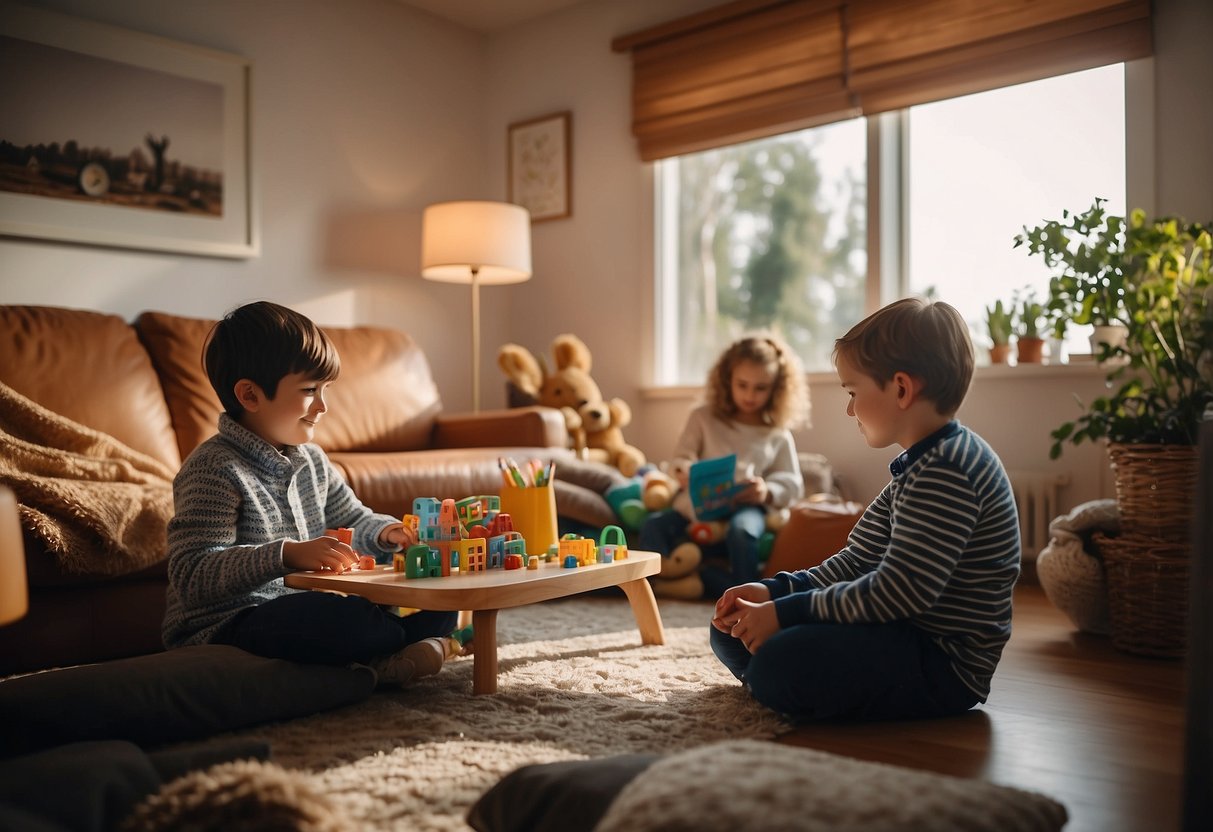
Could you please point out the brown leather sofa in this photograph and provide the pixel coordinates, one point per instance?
(143, 383)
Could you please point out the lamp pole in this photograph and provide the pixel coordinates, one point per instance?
(475, 339)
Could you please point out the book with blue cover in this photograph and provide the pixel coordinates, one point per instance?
(712, 484)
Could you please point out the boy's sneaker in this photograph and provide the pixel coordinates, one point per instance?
(427, 655)
(683, 561)
(396, 669)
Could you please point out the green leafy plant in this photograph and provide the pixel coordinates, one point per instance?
(998, 324)
(1087, 253)
(1164, 388)
(1028, 315)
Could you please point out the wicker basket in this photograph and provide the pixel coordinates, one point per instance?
(1147, 594)
(1154, 487)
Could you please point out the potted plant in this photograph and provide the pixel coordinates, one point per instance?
(1057, 322)
(1151, 420)
(1087, 251)
(998, 324)
(1029, 346)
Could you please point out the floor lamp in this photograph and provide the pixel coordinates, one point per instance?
(478, 243)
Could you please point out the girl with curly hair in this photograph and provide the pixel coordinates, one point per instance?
(755, 395)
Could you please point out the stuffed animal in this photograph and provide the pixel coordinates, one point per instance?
(594, 424)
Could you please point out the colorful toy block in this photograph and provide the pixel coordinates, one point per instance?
(612, 545)
(345, 535)
(422, 561)
(581, 547)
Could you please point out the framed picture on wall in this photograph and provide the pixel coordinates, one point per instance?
(540, 166)
(118, 138)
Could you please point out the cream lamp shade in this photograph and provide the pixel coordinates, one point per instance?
(476, 242)
(489, 239)
(14, 593)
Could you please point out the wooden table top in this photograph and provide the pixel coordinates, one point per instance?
(490, 589)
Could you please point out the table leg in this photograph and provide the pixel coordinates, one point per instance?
(484, 659)
(644, 608)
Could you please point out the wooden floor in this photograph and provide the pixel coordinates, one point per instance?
(1069, 716)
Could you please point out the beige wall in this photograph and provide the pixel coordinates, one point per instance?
(365, 111)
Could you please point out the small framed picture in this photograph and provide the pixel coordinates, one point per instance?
(540, 166)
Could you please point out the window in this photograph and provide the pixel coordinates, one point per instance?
(774, 233)
(767, 234)
(981, 167)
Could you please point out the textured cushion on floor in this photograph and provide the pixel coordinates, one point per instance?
(746, 784)
(182, 694)
(570, 796)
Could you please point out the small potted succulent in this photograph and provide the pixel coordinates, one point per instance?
(998, 325)
(1029, 346)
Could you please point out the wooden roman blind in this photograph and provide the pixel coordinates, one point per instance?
(744, 70)
(759, 67)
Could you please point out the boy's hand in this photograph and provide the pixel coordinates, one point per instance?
(755, 623)
(397, 534)
(728, 608)
(317, 554)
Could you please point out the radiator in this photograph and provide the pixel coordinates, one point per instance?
(1036, 499)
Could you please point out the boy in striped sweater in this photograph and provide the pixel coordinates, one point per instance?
(254, 502)
(910, 618)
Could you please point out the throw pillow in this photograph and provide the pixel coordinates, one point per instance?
(182, 694)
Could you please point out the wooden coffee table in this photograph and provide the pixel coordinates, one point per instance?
(496, 589)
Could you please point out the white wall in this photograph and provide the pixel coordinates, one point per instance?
(365, 111)
(362, 113)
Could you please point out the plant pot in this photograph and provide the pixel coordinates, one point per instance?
(1114, 336)
(1029, 350)
(1056, 350)
(999, 353)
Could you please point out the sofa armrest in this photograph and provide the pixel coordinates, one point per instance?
(535, 427)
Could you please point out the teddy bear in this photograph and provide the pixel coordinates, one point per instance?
(595, 425)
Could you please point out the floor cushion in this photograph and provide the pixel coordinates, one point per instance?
(183, 694)
(752, 785)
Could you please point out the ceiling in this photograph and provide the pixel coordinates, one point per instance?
(490, 15)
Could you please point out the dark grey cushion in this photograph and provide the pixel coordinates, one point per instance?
(87, 786)
(182, 694)
(556, 797)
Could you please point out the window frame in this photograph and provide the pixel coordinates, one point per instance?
(887, 277)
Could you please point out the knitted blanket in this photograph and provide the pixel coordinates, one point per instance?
(99, 506)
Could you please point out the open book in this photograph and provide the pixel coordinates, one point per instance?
(713, 485)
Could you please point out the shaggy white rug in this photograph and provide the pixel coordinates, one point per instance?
(574, 682)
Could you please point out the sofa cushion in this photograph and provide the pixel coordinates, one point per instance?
(385, 399)
(390, 482)
(91, 368)
(174, 345)
(182, 694)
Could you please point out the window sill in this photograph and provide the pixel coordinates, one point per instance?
(991, 372)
